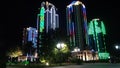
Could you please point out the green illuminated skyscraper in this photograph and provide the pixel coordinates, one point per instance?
(97, 33)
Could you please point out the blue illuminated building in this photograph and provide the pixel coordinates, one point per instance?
(30, 35)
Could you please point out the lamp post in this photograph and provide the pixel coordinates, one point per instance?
(60, 46)
(117, 49)
(116, 55)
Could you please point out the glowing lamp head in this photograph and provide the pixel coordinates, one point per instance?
(116, 46)
(60, 45)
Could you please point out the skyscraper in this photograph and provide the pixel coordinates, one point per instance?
(30, 35)
(47, 23)
(48, 17)
(97, 33)
(77, 25)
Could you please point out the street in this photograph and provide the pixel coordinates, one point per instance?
(86, 65)
(91, 65)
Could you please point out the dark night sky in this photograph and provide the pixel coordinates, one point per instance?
(23, 13)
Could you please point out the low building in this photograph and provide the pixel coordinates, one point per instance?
(85, 55)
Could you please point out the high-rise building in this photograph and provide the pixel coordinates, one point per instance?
(29, 43)
(97, 36)
(77, 25)
(47, 24)
(30, 35)
(48, 17)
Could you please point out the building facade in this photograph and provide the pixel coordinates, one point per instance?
(77, 25)
(30, 35)
(47, 24)
(85, 55)
(97, 38)
(29, 43)
(48, 17)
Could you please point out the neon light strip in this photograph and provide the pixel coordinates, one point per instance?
(47, 20)
(85, 23)
(42, 19)
(51, 18)
(54, 21)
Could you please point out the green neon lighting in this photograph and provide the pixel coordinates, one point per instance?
(42, 11)
(91, 29)
(103, 32)
(103, 28)
(104, 55)
(97, 28)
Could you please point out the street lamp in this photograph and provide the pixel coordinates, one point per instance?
(60, 46)
(116, 47)
(117, 52)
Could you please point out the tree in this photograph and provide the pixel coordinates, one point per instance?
(61, 55)
(14, 52)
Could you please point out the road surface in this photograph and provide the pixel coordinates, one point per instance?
(86, 65)
(91, 65)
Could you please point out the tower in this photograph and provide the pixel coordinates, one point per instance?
(48, 17)
(97, 33)
(47, 23)
(77, 25)
(30, 35)
(29, 42)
